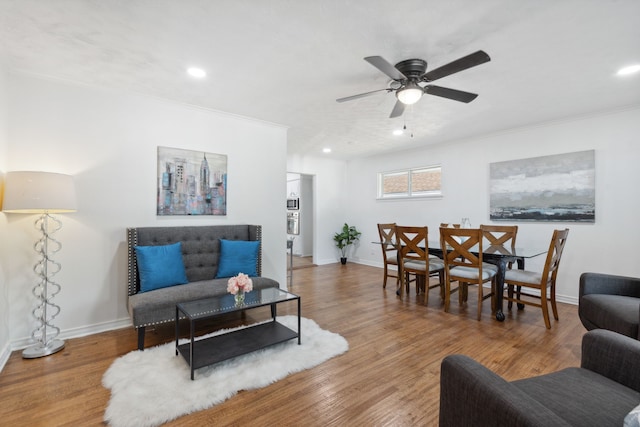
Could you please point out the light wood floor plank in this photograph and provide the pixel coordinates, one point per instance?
(389, 376)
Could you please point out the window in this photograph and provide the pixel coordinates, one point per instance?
(418, 182)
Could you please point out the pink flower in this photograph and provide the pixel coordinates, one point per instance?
(240, 282)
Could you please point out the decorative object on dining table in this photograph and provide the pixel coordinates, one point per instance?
(347, 236)
(238, 286)
(464, 223)
(44, 193)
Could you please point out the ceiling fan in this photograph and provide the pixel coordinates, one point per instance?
(407, 75)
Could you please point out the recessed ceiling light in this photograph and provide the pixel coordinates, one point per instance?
(326, 150)
(198, 73)
(398, 132)
(629, 70)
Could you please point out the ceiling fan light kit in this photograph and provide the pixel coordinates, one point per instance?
(410, 94)
(406, 76)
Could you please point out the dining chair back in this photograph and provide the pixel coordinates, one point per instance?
(413, 244)
(500, 235)
(544, 282)
(462, 251)
(445, 224)
(388, 243)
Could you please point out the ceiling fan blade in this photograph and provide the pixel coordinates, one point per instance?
(456, 95)
(476, 58)
(383, 65)
(397, 111)
(361, 95)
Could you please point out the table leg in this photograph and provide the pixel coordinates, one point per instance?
(502, 267)
(520, 267)
(177, 329)
(192, 333)
(399, 290)
(299, 325)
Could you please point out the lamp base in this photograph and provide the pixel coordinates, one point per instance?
(41, 350)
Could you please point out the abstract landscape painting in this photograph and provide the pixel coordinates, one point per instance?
(550, 188)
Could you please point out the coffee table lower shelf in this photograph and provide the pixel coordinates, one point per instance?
(215, 349)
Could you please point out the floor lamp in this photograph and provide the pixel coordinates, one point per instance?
(43, 193)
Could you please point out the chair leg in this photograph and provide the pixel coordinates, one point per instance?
(518, 296)
(464, 292)
(553, 302)
(510, 296)
(447, 295)
(407, 283)
(384, 281)
(400, 284)
(494, 295)
(545, 308)
(480, 300)
(426, 289)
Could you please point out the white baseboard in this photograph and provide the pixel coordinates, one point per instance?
(78, 332)
(4, 356)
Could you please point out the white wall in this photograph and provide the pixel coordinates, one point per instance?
(4, 286)
(329, 203)
(108, 141)
(609, 245)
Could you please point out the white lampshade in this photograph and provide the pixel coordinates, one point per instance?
(410, 94)
(39, 192)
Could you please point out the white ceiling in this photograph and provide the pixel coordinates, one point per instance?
(286, 61)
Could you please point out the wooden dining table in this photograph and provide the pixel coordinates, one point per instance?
(501, 256)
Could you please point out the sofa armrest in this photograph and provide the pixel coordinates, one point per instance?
(612, 355)
(598, 283)
(472, 395)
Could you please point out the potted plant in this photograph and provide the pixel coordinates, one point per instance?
(344, 238)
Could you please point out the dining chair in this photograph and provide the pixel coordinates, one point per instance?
(445, 224)
(388, 243)
(464, 266)
(413, 244)
(500, 235)
(544, 283)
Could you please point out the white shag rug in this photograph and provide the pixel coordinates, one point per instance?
(154, 386)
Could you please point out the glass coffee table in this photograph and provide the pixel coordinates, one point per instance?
(207, 351)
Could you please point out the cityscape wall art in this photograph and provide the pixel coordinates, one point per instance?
(191, 182)
(550, 188)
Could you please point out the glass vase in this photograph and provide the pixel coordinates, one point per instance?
(239, 298)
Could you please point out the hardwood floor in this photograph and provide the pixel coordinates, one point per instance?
(389, 376)
(302, 262)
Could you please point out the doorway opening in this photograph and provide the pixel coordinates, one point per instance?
(300, 220)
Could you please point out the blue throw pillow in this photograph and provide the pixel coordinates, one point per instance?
(238, 256)
(160, 266)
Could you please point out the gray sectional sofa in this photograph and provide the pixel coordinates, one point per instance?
(602, 392)
(201, 250)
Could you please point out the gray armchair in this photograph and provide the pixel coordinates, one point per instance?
(601, 392)
(610, 302)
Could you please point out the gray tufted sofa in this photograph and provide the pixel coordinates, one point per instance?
(200, 253)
